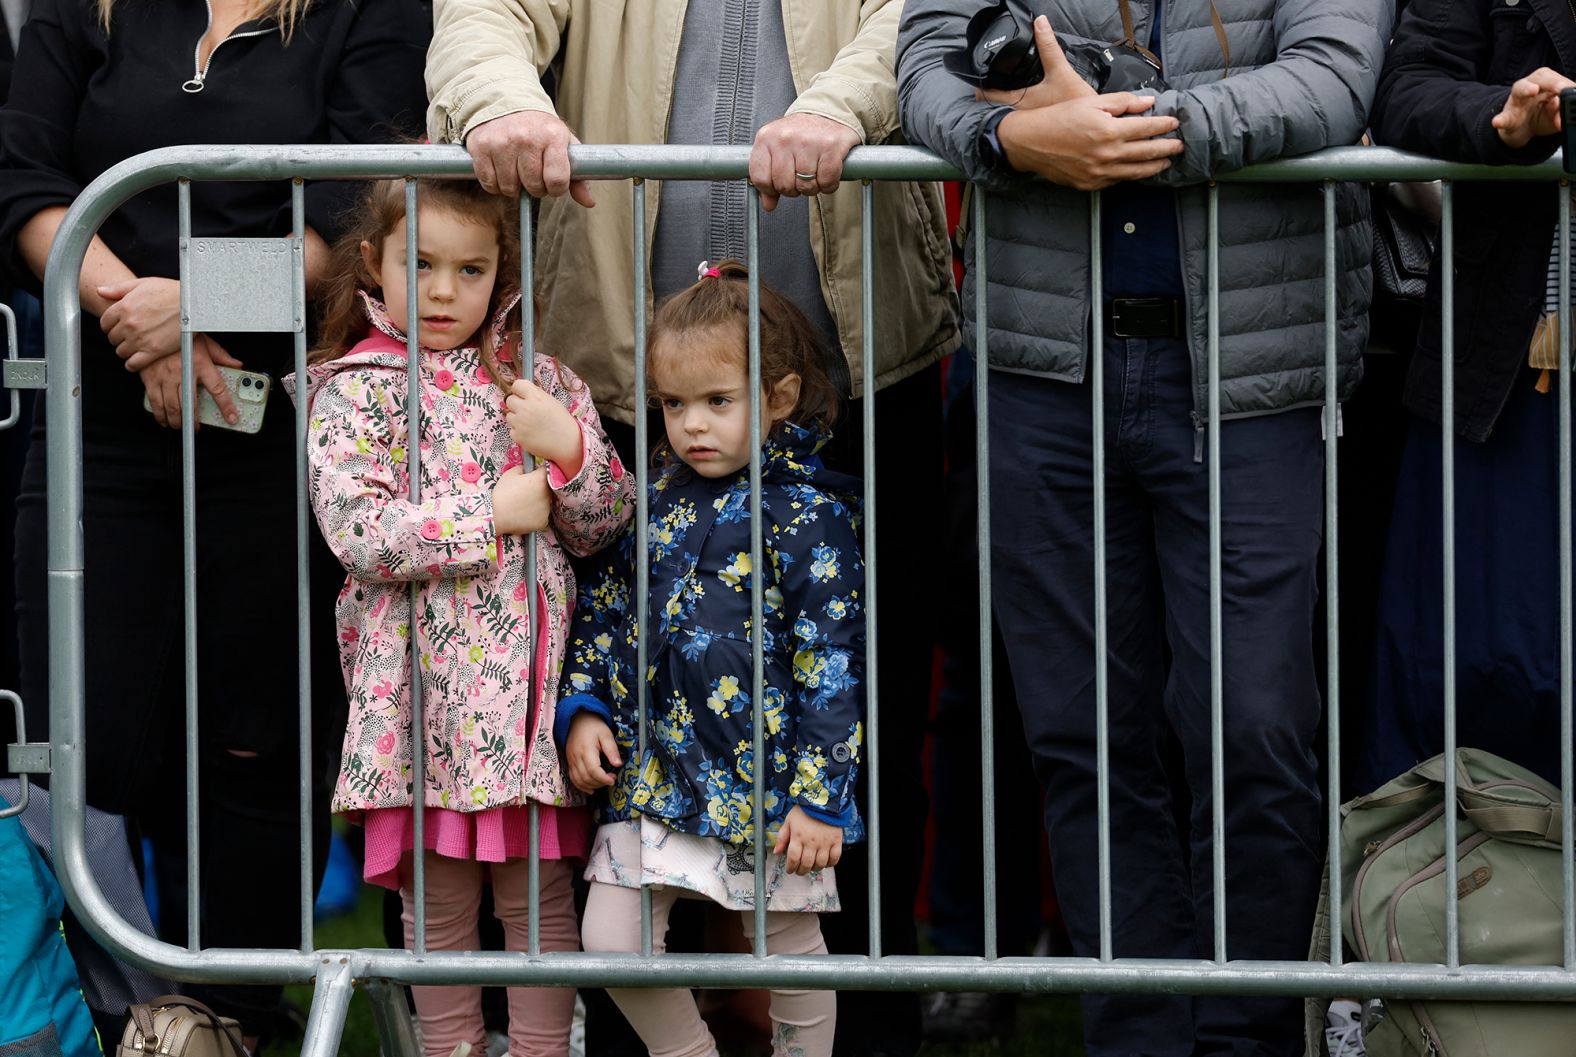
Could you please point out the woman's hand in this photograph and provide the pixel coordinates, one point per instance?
(544, 427)
(1533, 108)
(811, 844)
(590, 741)
(522, 502)
(162, 379)
(143, 320)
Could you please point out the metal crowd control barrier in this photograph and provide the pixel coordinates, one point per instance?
(380, 971)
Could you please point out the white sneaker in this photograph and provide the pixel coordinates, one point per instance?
(1343, 1029)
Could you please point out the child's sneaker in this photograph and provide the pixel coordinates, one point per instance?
(1343, 1029)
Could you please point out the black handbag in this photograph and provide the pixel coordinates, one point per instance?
(1406, 236)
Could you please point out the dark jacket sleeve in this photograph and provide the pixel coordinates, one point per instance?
(601, 624)
(377, 95)
(938, 110)
(821, 575)
(1316, 94)
(1433, 96)
(59, 53)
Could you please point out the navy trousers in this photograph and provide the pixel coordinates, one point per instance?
(1158, 620)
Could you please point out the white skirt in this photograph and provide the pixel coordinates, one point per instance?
(645, 852)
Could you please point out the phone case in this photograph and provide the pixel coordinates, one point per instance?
(248, 389)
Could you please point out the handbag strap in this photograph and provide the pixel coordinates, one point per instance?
(1131, 40)
(143, 1015)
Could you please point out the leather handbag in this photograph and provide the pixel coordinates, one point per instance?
(176, 1026)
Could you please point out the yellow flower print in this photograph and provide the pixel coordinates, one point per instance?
(477, 653)
(727, 689)
(479, 795)
(717, 810)
(397, 455)
(363, 445)
(736, 571)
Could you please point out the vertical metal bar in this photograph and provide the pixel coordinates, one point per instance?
(534, 693)
(1217, 771)
(11, 352)
(867, 362)
(757, 578)
(1447, 428)
(642, 519)
(391, 1017)
(418, 721)
(303, 601)
(189, 571)
(1332, 606)
(1102, 675)
(982, 513)
(325, 1024)
(1567, 668)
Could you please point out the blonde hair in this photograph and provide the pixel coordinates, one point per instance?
(288, 13)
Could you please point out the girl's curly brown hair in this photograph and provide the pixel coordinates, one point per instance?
(342, 321)
(789, 344)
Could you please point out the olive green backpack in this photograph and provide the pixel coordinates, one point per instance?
(1509, 879)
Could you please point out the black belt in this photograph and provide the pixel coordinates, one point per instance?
(1143, 317)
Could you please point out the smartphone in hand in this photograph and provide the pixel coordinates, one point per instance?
(249, 390)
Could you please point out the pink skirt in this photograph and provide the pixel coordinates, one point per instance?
(494, 835)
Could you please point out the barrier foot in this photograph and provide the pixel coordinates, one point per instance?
(391, 1013)
(326, 1022)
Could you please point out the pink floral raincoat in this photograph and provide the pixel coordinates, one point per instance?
(486, 746)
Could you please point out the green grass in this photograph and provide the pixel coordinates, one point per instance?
(1047, 1025)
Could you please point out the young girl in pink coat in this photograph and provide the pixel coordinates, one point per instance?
(488, 678)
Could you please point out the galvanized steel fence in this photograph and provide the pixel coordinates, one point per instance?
(380, 971)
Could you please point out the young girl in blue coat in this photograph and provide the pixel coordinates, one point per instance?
(681, 817)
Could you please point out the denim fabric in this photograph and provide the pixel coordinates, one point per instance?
(1158, 592)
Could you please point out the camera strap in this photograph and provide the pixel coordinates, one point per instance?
(1130, 40)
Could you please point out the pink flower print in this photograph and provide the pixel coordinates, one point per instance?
(349, 635)
(521, 591)
(378, 606)
(385, 744)
(383, 689)
(514, 457)
(519, 725)
(435, 569)
(615, 468)
(444, 379)
(470, 473)
(443, 473)
(430, 530)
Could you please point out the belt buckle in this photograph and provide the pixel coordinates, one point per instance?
(1144, 317)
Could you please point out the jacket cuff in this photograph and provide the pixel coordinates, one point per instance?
(820, 814)
(481, 97)
(568, 706)
(847, 103)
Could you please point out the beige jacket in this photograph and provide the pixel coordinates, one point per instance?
(615, 61)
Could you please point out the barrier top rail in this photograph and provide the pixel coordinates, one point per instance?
(66, 568)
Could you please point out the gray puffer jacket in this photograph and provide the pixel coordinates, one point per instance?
(1302, 76)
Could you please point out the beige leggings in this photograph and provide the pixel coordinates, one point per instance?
(667, 1019)
(538, 1016)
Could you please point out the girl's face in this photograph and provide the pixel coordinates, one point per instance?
(701, 384)
(457, 267)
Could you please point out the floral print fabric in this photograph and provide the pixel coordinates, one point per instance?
(487, 744)
(696, 774)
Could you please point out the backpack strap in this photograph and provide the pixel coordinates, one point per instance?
(1540, 823)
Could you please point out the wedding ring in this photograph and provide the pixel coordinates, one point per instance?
(804, 175)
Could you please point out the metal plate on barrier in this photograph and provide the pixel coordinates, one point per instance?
(243, 285)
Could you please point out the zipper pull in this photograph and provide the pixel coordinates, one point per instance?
(193, 86)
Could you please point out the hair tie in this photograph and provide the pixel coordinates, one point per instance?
(704, 270)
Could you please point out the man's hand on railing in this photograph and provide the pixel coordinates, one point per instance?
(143, 320)
(809, 843)
(1532, 109)
(544, 427)
(590, 742)
(801, 154)
(162, 379)
(1060, 83)
(527, 149)
(1088, 143)
(522, 501)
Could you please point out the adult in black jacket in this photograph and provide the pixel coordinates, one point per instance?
(1478, 81)
(169, 72)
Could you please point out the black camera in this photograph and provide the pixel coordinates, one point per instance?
(999, 52)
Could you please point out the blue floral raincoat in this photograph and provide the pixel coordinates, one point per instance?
(696, 773)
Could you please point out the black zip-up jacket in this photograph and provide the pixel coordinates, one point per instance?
(85, 100)
(1448, 73)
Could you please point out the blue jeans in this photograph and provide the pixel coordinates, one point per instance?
(1158, 592)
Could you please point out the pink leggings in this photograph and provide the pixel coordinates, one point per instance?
(666, 1018)
(538, 1016)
